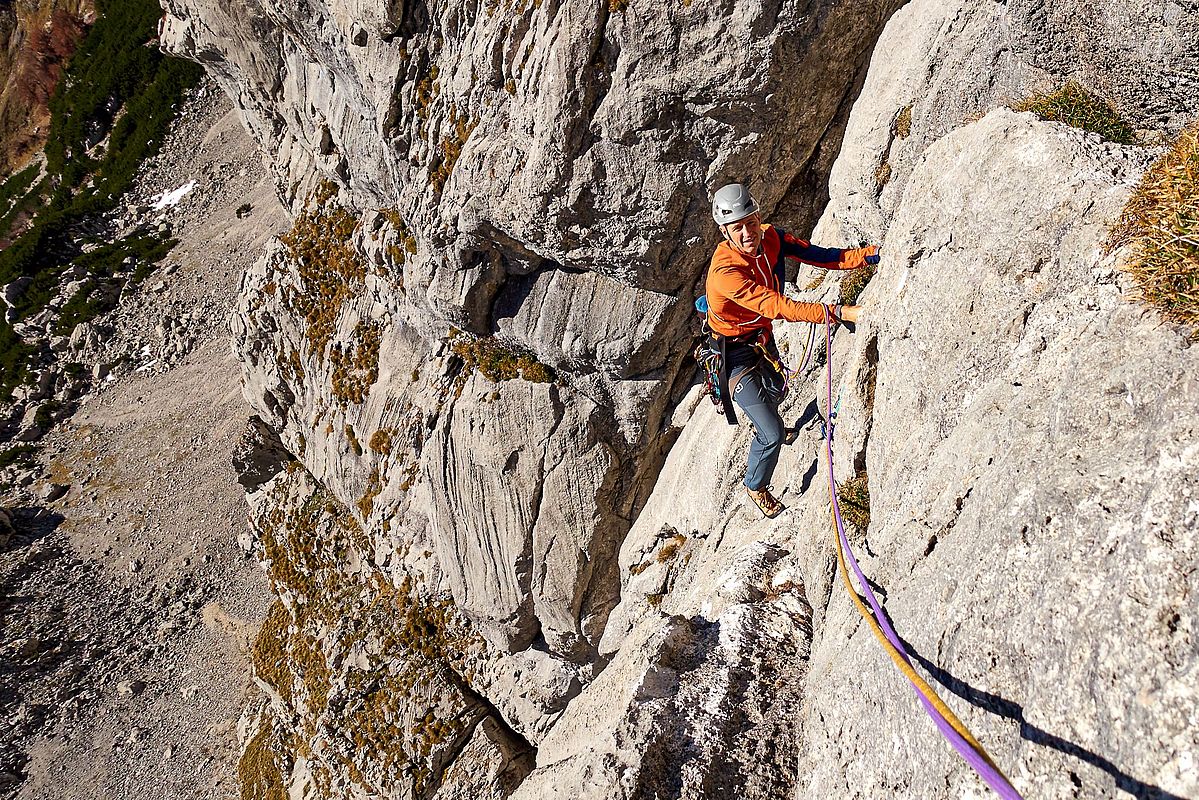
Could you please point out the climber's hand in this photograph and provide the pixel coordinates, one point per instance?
(874, 257)
(849, 314)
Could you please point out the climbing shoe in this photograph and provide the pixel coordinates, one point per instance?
(766, 502)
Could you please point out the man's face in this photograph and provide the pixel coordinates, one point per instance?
(745, 234)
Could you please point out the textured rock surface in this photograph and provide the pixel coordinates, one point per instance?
(689, 708)
(542, 174)
(495, 172)
(1032, 464)
(588, 137)
(947, 63)
(365, 679)
(537, 175)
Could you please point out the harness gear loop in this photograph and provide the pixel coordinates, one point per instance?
(711, 352)
(947, 722)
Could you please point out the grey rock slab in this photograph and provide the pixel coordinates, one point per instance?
(259, 455)
(518, 537)
(53, 492)
(1031, 463)
(948, 63)
(487, 768)
(531, 689)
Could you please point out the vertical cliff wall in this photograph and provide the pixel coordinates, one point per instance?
(469, 351)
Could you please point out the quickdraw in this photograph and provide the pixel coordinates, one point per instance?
(949, 725)
(809, 346)
(709, 361)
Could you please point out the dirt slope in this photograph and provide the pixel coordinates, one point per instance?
(128, 604)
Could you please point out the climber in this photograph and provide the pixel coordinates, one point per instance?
(744, 296)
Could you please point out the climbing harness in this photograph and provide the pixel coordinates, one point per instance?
(711, 353)
(949, 725)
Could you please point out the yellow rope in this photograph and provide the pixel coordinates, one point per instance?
(904, 667)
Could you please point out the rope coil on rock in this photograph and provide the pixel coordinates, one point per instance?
(947, 722)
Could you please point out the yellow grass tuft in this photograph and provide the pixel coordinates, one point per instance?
(902, 127)
(854, 281)
(853, 497)
(259, 770)
(1162, 221)
(497, 360)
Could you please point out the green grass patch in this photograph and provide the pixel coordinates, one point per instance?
(115, 67)
(22, 209)
(99, 293)
(882, 174)
(117, 85)
(330, 266)
(44, 418)
(22, 454)
(15, 359)
(442, 165)
(270, 651)
(1162, 221)
(671, 548)
(853, 497)
(1075, 106)
(16, 187)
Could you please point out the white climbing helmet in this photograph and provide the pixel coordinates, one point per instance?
(731, 203)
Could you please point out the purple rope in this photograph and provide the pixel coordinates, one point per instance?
(979, 761)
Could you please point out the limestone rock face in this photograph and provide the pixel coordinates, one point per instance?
(941, 64)
(365, 679)
(1032, 458)
(534, 175)
(530, 484)
(515, 137)
(689, 708)
(472, 341)
(260, 455)
(1029, 435)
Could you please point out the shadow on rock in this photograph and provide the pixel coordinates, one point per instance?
(1007, 709)
(1014, 711)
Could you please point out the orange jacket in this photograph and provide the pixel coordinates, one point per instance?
(745, 293)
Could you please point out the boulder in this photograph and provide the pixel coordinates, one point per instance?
(259, 455)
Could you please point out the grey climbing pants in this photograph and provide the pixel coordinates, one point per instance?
(759, 404)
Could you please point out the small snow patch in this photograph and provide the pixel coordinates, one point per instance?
(168, 199)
